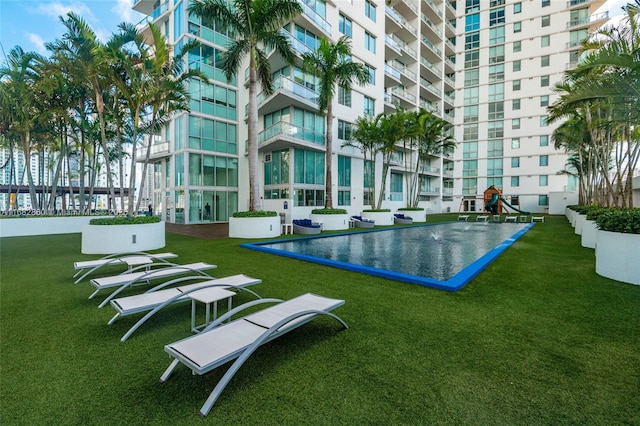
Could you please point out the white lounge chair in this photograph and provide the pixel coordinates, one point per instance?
(163, 270)
(158, 297)
(131, 259)
(219, 344)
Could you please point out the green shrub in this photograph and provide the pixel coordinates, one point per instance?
(620, 220)
(376, 210)
(594, 212)
(256, 213)
(125, 220)
(328, 211)
(411, 208)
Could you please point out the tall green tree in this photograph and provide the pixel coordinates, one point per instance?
(332, 63)
(256, 25)
(365, 136)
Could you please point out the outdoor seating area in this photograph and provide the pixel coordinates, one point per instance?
(488, 351)
(306, 227)
(401, 219)
(360, 222)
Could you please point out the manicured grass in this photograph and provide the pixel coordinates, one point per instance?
(537, 338)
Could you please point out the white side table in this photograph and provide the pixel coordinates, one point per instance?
(208, 296)
(287, 228)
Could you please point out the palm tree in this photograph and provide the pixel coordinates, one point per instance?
(391, 127)
(332, 63)
(257, 25)
(364, 136)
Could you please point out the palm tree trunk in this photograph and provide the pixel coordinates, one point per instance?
(254, 188)
(328, 196)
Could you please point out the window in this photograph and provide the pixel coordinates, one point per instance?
(496, 54)
(496, 35)
(544, 161)
(495, 148)
(472, 59)
(516, 85)
(496, 110)
(472, 6)
(545, 41)
(496, 73)
(496, 92)
(369, 106)
(546, 3)
(368, 174)
(543, 180)
(494, 167)
(344, 130)
(495, 129)
(517, 8)
(546, 20)
(372, 73)
(369, 42)
(472, 40)
(471, 95)
(544, 140)
(544, 121)
(470, 132)
(515, 162)
(515, 104)
(471, 77)
(494, 3)
(370, 10)
(344, 180)
(515, 143)
(544, 61)
(544, 81)
(308, 167)
(515, 123)
(344, 96)
(470, 168)
(472, 22)
(543, 200)
(517, 65)
(496, 17)
(276, 171)
(471, 113)
(395, 187)
(515, 181)
(517, 27)
(345, 26)
(470, 150)
(470, 186)
(517, 46)
(544, 100)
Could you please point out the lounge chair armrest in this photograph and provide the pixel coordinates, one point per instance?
(237, 309)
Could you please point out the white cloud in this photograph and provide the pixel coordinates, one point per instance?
(123, 9)
(38, 42)
(55, 9)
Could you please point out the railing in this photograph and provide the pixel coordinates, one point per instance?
(429, 169)
(447, 191)
(404, 70)
(588, 20)
(298, 46)
(411, 5)
(572, 3)
(429, 106)
(388, 69)
(393, 14)
(156, 13)
(315, 17)
(283, 128)
(391, 99)
(431, 25)
(432, 67)
(286, 84)
(431, 46)
(430, 87)
(434, 7)
(403, 93)
(392, 43)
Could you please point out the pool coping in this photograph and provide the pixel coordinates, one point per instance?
(454, 283)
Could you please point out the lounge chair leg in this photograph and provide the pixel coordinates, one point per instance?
(111, 321)
(168, 371)
(94, 293)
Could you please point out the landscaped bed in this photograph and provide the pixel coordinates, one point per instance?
(518, 345)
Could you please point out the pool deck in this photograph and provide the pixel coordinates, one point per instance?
(453, 284)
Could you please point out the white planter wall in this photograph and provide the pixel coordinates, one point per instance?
(589, 231)
(381, 218)
(107, 239)
(580, 219)
(331, 222)
(23, 227)
(618, 256)
(255, 227)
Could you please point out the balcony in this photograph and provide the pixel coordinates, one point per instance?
(593, 4)
(433, 7)
(401, 21)
(315, 18)
(392, 72)
(155, 14)
(287, 93)
(404, 70)
(392, 43)
(430, 87)
(158, 150)
(430, 170)
(436, 54)
(431, 26)
(589, 21)
(282, 134)
(431, 67)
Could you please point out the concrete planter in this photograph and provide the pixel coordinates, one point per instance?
(254, 227)
(331, 222)
(107, 239)
(618, 257)
(589, 231)
(580, 219)
(23, 227)
(381, 218)
(416, 215)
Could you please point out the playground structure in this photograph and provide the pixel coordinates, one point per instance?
(493, 202)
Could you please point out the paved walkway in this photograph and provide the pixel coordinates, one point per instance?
(205, 231)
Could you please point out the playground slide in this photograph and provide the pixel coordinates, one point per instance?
(510, 206)
(494, 200)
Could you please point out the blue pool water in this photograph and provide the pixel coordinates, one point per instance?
(444, 255)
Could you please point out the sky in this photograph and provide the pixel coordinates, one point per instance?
(31, 23)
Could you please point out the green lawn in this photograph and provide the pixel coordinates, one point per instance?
(537, 338)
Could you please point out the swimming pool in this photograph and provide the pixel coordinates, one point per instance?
(444, 255)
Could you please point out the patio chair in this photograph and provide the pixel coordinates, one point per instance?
(153, 300)
(219, 344)
(400, 219)
(360, 222)
(162, 270)
(131, 259)
(306, 227)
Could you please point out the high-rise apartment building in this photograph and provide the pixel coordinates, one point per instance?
(485, 66)
(510, 56)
